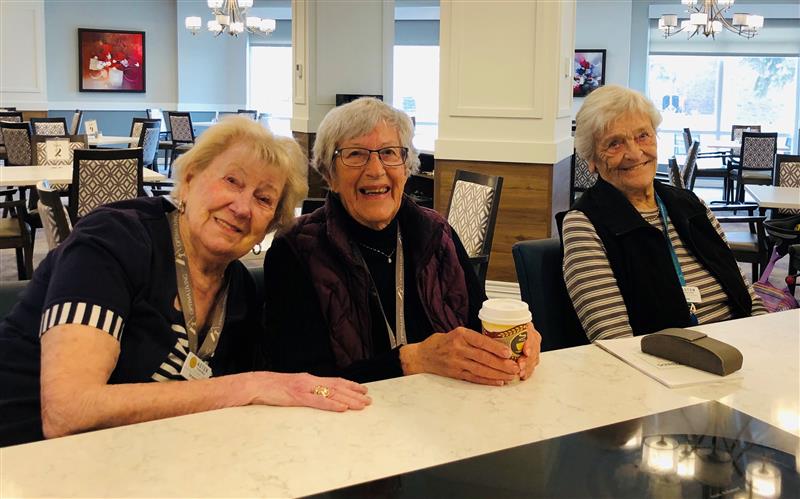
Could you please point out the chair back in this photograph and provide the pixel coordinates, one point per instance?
(758, 150)
(136, 126)
(675, 177)
(55, 219)
(39, 146)
(17, 137)
(541, 284)
(148, 141)
(582, 178)
(9, 117)
(156, 114)
(687, 139)
(787, 174)
(49, 127)
(689, 172)
(75, 124)
(474, 201)
(250, 113)
(181, 126)
(101, 176)
(736, 134)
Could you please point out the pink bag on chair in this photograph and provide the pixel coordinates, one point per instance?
(775, 299)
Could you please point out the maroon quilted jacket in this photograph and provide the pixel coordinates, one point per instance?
(341, 279)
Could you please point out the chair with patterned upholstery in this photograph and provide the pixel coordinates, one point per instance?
(8, 117)
(15, 233)
(49, 127)
(101, 176)
(689, 169)
(17, 137)
(582, 178)
(474, 200)
(55, 219)
(75, 122)
(675, 177)
(787, 174)
(710, 164)
(180, 125)
(757, 160)
(250, 113)
(148, 141)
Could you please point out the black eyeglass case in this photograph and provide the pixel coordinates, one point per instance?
(694, 349)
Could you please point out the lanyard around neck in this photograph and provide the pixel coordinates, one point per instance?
(675, 263)
(397, 338)
(217, 314)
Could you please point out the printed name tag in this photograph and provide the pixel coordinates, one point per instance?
(195, 368)
(692, 294)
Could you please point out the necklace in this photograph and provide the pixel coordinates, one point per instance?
(387, 255)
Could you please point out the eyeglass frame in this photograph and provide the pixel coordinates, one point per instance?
(403, 154)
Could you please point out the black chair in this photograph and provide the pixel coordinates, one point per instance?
(748, 246)
(49, 127)
(101, 176)
(311, 204)
(757, 160)
(55, 219)
(75, 123)
(250, 113)
(136, 125)
(787, 174)
(581, 179)
(149, 133)
(164, 142)
(8, 117)
(541, 285)
(689, 171)
(675, 177)
(474, 200)
(180, 125)
(710, 164)
(17, 138)
(15, 233)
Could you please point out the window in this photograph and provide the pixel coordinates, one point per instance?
(270, 86)
(709, 94)
(416, 88)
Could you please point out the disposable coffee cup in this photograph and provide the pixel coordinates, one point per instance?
(506, 320)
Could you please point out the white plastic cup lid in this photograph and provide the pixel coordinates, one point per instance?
(505, 311)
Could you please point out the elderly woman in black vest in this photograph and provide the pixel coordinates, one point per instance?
(623, 275)
(372, 286)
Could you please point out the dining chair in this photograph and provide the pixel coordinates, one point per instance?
(17, 137)
(101, 176)
(8, 117)
(472, 213)
(49, 127)
(675, 177)
(180, 125)
(689, 169)
(164, 142)
(148, 141)
(136, 126)
(710, 164)
(55, 219)
(75, 123)
(748, 246)
(756, 161)
(15, 233)
(581, 178)
(541, 285)
(250, 113)
(787, 174)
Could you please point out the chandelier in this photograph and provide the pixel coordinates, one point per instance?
(707, 17)
(231, 16)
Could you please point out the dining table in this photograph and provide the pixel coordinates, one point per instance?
(109, 140)
(426, 436)
(733, 144)
(773, 196)
(31, 175)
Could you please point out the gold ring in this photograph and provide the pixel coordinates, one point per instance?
(322, 390)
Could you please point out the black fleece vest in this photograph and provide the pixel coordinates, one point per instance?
(641, 261)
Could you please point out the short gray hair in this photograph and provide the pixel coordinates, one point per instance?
(601, 108)
(353, 120)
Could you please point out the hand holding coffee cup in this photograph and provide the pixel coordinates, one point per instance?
(506, 321)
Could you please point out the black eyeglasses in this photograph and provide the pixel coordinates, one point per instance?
(357, 157)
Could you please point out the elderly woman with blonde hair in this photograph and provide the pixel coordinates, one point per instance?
(639, 255)
(144, 312)
(385, 285)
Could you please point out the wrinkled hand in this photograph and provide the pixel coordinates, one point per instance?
(530, 353)
(298, 390)
(463, 354)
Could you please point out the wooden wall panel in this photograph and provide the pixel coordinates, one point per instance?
(526, 205)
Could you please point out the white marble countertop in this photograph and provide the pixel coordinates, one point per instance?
(414, 422)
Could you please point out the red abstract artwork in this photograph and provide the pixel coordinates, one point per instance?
(111, 61)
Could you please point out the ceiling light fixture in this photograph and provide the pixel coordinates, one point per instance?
(230, 16)
(707, 17)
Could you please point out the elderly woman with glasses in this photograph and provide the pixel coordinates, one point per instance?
(373, 286)
(639, 255)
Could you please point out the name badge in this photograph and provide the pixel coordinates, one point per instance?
(692, 294)
(195, 368)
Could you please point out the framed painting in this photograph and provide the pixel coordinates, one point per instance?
(590, 71)
(111, 60)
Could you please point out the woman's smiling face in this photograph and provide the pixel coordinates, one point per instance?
(371, 194)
